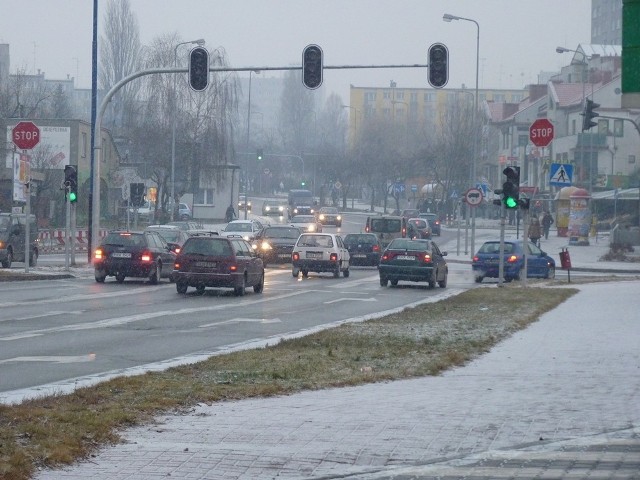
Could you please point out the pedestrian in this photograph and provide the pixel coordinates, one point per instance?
(535, 232)
(230, 213)
(547, 221)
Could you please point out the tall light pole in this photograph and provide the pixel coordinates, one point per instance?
(448, 18)
(174, 204)
(355, 121)
(246, 173)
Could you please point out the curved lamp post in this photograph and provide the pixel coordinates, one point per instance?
(447, 17)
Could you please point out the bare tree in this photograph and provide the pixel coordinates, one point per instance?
(295, 104)
(120, 56)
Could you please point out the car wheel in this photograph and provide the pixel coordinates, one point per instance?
(551, 273)
(260, 286)
(383, 282)
(6, 263)
(154, 275)
(443, 283)
(184, 217)
(478, 278)
(520, 275)
(100, 275)
(295, 271)
(336, 271)
(200, 289)
(239, 291)
(119, 277)
(33, 258)
(432, 280)
(346, 273)
(305, 273)
(394, 283)
(181, 287)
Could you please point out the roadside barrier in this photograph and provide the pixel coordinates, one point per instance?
(53, 241)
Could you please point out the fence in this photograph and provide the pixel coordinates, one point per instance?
(53, 241)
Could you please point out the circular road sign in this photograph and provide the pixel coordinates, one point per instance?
(473, 197)
(541, 132)
(25, 135)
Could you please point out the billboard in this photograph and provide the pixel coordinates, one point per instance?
(52, 152)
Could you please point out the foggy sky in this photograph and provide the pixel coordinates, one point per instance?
(517, 37)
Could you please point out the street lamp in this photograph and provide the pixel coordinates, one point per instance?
(246, 173)
(355, 120)
(448, 18)
(174, 204)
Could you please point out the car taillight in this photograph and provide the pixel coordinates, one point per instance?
(475, 258)
(98, 254)
(385, 257)
(512, 258)
(333, 257)
(426, 258)
(177, 250)
(176, 266)
(233, 268)
(295, 256)
(366, 229)
(437, 222)
(146, 257)
(376, 248)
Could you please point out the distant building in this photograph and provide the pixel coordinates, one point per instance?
(606, 22)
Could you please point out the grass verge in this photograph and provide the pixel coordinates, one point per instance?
(426, 340)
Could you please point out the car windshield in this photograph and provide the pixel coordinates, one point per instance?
(281, 233)
(124, 239)
(419, 223)
(354, 239)
(324, 241)
(386, 225)
(329, 210)
(238, 227)
(303, 219)
(169, 234)
(494, 248)
(406, 244)
(206, 246)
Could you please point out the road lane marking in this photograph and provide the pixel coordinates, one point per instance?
(370, 299)
(118, 321)
(241, 320)
(53, 359)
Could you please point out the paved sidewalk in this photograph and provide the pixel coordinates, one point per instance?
(560, 399)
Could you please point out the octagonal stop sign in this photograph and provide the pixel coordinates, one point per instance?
(541, 132)
(25, 135)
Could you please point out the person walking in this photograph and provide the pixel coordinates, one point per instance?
(230, 213)
(547, 221)
(535, 231)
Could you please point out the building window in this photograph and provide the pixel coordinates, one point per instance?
(386, 94)
(399, 95)
(414, 97)
(632, 159)
(84, 145)
(429, 97)
(573, 126)
(603, 126)
(370, 96)
(618, 128)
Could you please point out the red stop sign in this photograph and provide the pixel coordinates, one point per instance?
(25, 135)
(541, 132)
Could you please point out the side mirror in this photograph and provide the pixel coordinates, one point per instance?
(444, 254)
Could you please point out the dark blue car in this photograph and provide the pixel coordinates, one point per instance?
(487, 260)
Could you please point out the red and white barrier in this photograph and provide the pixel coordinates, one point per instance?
(55, 240)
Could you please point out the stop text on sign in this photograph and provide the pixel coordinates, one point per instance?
(545, 133)
(25, 136)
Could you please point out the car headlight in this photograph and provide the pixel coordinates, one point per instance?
(281, 209)
(246, 237)
(311, 228)
(339, 217)
(321, 217)
(295, 210)
(266, 246)
(267, 208)
(312, 210)
(248, 204)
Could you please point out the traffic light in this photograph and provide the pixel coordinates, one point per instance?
(438, 61)
(136, 194)
(589, 114)
(312, 66)
(511, 188)
(71, 183)
(199, 68)
(259, 155)
(303, 183)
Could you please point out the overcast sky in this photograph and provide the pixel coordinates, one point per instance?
(518, 38)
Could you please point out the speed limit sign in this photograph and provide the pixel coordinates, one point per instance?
(473, 197)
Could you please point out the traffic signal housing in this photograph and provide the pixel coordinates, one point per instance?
(511, 187)
(259, 155)
(199, 68)
(71, 183)
(136, 194)
(438, 61)
(589, 114)
(312, 66)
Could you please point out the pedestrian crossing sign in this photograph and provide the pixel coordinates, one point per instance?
(561, 175)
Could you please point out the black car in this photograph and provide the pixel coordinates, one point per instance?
(274, 244)
(364, 248)
(414, 261)
(133, 254)
(214, 261)
(418, 228)
(434, 222)
(330, 216)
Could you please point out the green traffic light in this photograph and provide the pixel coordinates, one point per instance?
(510, 202)
(72, 197)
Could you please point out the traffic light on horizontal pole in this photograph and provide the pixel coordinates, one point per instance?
(199, 68)
(438, 61)
(312, 66)
(511, 187)
(71, 183)
(589, 114)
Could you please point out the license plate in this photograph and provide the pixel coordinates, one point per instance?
(314, 255)
(283, 255)
(359, 255)
(206, 264)
(406, 257)
(121, 255)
